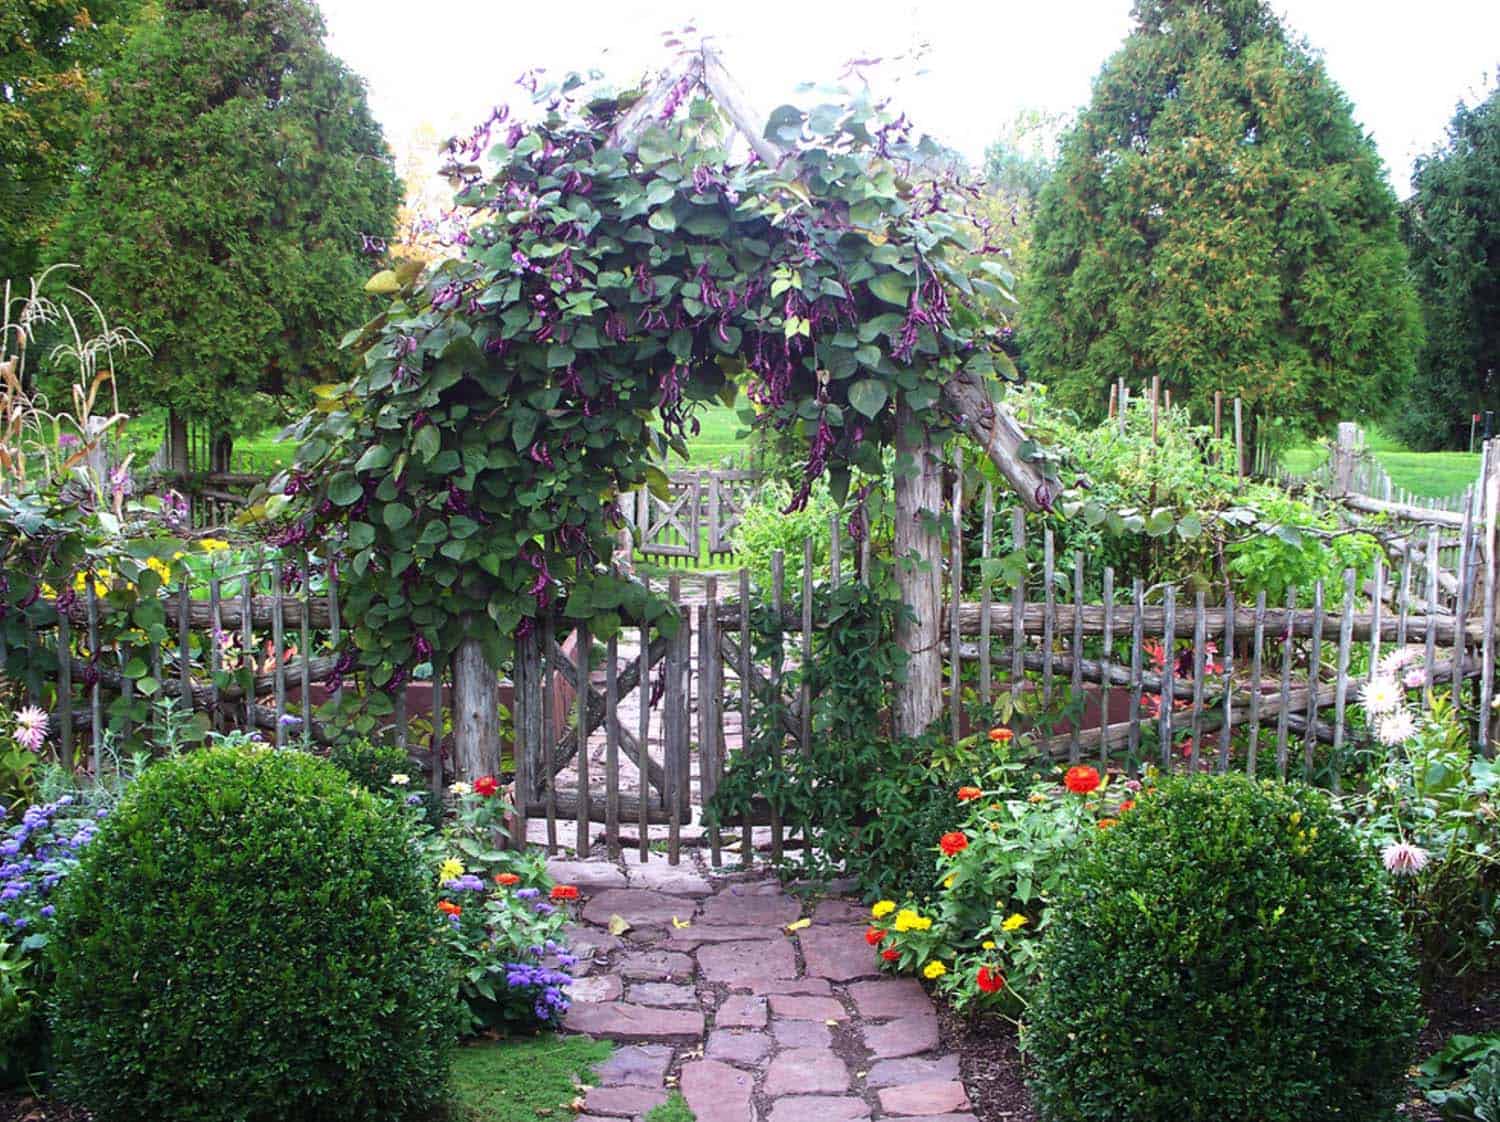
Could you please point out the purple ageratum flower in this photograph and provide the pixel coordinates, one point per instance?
(68, 440)
(466, 883)
(413, 800)
(527, 893)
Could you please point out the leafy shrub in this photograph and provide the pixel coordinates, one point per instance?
(767, 526)
(1463, 1079)
(1003, 859)
(249, 939)
(387, 771)
(1229, 951)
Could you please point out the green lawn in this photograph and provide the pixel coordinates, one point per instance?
(1433, 474)
(522, 1080)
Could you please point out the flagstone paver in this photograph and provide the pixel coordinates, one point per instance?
(707, 991)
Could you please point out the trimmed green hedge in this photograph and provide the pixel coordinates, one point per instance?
(1228, 952)
(249, 939)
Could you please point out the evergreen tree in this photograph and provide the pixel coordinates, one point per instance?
(232, 180)
(1452, 226)
(1218, 218)
(50, 55)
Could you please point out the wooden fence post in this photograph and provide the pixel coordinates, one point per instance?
(1343, 457)
(476, 713)
(919, 565)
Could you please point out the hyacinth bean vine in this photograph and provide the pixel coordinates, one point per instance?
(603, 291)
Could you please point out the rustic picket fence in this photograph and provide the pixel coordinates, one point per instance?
(640, 738)
(696, 517)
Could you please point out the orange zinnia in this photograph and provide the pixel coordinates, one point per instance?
(507, 879)
(449, 908)
(954, 843)
(1106, 823)
(1001, 735)
(1081, 779)
(1128, 804)
(967, 793)
(564, 892)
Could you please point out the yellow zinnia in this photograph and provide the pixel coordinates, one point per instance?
(883, 908)
(948, 880)
(451, 869)
(1015, 921)
(988, 944)
(908, 920)
(934, 969)
(212, 545)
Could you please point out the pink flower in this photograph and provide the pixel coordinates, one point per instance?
(31, 727)
(1402, 859)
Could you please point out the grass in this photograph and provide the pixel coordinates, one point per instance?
(1433, 474)
(522, 1080)
(674, 1109)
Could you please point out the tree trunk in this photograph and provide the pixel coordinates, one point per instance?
(919, 574)
(476, 713)
(223, 448)
(177, 442)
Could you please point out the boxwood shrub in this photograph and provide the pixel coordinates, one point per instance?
(250, 938)
(1229, 951)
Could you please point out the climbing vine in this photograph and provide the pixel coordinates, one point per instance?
(604, 287)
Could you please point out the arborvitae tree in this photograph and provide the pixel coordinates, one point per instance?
(234, 183)
(50, 55)
(1452, 226)
(1218, 218)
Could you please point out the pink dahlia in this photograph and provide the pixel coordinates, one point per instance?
(31, 727)
(1402, 859)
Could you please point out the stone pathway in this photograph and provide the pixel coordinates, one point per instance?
(708, 992)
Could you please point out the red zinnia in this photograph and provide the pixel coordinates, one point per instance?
(990, 981)
(486, 785)
(967, 793)
(1128, 804)
(890, 954)
(564, 892)
(507, 879)
(873, 936)
(954, 843)
(450, 909)
(1081, 779)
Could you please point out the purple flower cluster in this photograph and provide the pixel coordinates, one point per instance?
(36, 853)
(466, 883)
(548, 986)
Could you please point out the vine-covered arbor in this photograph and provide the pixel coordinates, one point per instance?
(620, 265)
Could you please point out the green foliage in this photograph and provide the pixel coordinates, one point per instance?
(988, 901)
(1462, 1079)
(1239, 924)
(520, 1080)
(249, 939)
(50, 52)
(767, 526)
(1218, 217)
(507, 398)
(675, 1109)
(232, 173)
(20, 1029)
(1171, 508)
(1436, 792)
(1452, 227)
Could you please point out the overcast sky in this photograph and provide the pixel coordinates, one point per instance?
(444, 63)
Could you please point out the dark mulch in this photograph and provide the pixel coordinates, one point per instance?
(991, 1065)
(26, 1108)
(995, 1073)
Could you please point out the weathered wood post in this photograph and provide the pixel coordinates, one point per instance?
(919, 574)
(1344, 453)
(476, 712)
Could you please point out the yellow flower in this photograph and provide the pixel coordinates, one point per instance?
(212, 545)
(908, 920)
(948, 880)
(883, 908)
(934, 969)
(1016, 920)
(451, 869)
(988, 944)
(160, 568)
